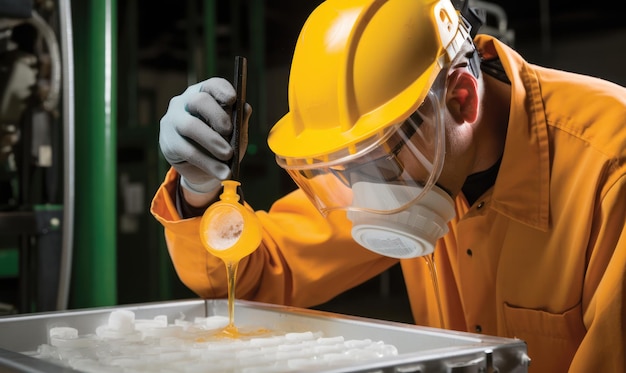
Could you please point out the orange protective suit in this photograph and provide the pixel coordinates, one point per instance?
(541, 256)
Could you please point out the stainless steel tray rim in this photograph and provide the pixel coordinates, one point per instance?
(416, 344)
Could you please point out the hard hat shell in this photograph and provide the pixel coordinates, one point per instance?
(360, 66)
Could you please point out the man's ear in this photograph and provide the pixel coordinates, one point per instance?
(462, 98)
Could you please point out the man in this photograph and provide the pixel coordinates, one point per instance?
(411, 138)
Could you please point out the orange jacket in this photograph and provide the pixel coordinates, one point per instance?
(541, 256)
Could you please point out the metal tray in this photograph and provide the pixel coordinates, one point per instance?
(420, 349)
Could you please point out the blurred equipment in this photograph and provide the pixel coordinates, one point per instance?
(36, 127)
(496, 22)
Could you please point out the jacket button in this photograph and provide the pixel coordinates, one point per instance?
(478, 328)
(480, 205)
(469, 252)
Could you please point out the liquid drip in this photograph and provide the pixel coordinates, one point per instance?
(231, 330)
(231, 272)
(430, 261)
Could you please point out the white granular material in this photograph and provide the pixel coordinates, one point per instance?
(225, 231)
(64, 332)
(126, 344)
(122, 321)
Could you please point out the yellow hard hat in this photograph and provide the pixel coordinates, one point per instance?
(361, 66)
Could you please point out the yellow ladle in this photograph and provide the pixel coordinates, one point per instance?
(230, 231)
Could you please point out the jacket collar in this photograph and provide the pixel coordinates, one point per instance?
(521, 190)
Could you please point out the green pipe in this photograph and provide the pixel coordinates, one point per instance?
(94, 276)
(210, 37)
(235, 28)
(257, 35)
(191, 24)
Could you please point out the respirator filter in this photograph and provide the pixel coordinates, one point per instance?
(409, 233)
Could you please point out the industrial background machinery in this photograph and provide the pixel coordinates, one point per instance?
(36, 157)
(83, 85)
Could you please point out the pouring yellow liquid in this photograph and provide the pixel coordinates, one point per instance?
(230, 231)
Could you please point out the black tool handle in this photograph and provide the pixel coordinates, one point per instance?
(239, 81)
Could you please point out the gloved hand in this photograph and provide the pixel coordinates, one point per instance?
(195, 134)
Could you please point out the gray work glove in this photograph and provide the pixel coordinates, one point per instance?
(196, 131)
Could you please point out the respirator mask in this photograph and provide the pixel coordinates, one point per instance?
(386, 183)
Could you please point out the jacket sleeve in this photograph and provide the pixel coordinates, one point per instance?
(304, 259)
(603, 349)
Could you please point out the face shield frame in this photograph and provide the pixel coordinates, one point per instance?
(409, 153)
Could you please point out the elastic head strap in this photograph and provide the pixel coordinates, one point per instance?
(473, 18)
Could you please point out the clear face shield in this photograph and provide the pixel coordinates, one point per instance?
(387, 182)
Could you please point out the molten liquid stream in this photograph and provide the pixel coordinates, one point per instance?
(430, 261)
(230, 330)
(231, 271)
